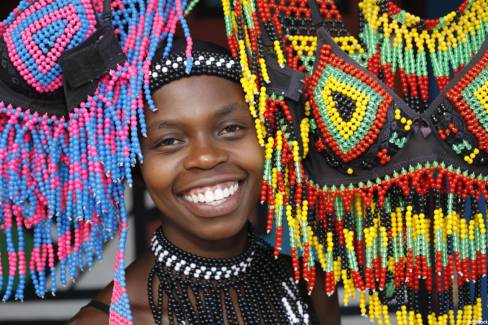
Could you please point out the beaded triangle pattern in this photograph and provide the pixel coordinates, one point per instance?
(38, 36)
(470, 97)
(364, 107)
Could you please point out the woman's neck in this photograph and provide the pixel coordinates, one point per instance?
(222, 248)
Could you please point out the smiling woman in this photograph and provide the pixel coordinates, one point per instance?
(203, 168)
(202, 163)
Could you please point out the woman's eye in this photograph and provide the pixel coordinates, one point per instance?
(231, 129)
(169, 142)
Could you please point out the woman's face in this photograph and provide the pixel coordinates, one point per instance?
(202, 163)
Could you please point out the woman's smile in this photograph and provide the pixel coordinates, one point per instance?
(213, 200)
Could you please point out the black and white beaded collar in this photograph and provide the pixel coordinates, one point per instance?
(190, 265)
(173, 67)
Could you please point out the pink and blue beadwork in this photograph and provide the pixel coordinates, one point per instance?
(68, 171)
(37, 38)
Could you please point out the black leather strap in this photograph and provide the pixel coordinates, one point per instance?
(98, 305)
(316, 16)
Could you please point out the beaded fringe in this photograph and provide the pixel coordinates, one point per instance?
(68, 173)
(412, 243)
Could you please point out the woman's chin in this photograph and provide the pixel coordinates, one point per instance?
(223, 230)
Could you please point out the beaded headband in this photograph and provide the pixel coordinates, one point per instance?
(74, 78)
(172, 68)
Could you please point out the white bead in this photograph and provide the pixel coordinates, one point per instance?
(175, 65)
(165, 69)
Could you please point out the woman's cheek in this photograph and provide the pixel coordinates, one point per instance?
(158, 172)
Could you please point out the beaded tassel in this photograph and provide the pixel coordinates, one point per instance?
(404, 42)
(70, 171)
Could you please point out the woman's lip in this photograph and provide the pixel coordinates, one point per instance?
(216, 209)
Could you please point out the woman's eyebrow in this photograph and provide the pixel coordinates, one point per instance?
(162, 124)
(230, 108)
(220, 113)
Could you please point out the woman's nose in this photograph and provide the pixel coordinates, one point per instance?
(205, 154)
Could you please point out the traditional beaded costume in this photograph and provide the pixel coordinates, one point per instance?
(381, 193)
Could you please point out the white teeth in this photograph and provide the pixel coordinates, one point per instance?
(209, 196)
(219, 195)
(212, 196)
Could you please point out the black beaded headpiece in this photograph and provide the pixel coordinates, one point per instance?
(208, 59)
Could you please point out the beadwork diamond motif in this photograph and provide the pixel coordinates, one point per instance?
(470, 96)
(36, 39)
(348, 104)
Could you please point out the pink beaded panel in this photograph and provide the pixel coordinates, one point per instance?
(37, 38)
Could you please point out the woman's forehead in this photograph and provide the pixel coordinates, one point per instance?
(197, 97)
(197, 90)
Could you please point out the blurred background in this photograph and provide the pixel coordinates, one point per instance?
(206, 23)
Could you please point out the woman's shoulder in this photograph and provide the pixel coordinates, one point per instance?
(93, 312)
(97, 311)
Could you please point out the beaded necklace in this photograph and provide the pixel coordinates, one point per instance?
(252, 288)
